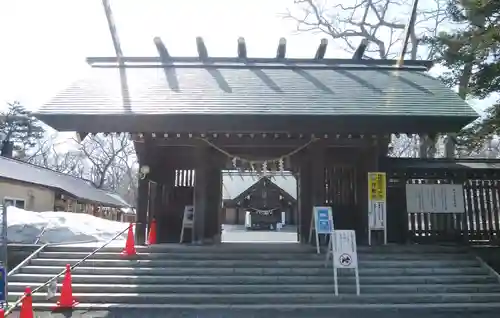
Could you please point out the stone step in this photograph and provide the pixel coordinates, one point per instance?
(259, 279)
(297, 310)
(254, 263)
(278, 248)
(275, 298)
(270, 288)
(320, 271)
(249, 256)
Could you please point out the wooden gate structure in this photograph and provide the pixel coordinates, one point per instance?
(328, 121)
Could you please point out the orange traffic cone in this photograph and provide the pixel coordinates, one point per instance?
(129, 249)
(151, 234)
(66, 301)
(26, 305)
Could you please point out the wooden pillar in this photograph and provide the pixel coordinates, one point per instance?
(214, 196)
(368, 163)
(168, 224)
(142, 211)
(158, 202)
(200, 193)
(304, 198)
(152, 201)
(317, 153)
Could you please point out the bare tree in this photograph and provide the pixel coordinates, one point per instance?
(56, 155)
(104, 157)
(381, 22)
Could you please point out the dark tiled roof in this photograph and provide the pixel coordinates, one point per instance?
(79, 188)
(275, 89)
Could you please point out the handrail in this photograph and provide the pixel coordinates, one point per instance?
(40, 249)
(39, 236)
(11, 308)
(27, 259)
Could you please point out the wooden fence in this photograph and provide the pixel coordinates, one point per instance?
(480, 224)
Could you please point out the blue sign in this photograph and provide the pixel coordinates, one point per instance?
(3, 286)
(324, 221)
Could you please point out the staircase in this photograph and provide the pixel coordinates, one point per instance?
(264, 277)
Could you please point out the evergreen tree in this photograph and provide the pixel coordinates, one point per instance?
(19, 130)
(471, 53)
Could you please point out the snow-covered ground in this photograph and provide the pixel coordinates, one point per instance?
(59, 227)
(65, 227)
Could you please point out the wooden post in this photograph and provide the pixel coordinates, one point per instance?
(142, 211)
(305, 198)
(200, 193)
(214, 195)
(317, 153)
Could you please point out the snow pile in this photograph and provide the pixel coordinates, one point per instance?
(59, 227)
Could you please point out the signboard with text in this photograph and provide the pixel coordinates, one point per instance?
(377, 203)
(435, 198)
(321, 223)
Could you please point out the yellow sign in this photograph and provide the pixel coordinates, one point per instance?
(377, 186)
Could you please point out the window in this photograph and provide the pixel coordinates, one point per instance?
(18, 203)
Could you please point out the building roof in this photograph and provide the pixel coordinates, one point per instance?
(24, 172)
(441, 163)
(271, 88)
(233, 184)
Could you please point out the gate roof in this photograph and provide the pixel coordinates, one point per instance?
(152, 94)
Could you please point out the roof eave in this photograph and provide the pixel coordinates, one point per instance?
(194, 123)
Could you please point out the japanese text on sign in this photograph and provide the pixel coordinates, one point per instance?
(377, 185)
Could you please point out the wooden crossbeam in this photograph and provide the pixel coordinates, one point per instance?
(111, 61)
(202, 49)
(281, 53)
(320, 52)
(242, 48)
(360, 51)
(162, 49)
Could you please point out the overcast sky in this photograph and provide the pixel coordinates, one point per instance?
(45, 42)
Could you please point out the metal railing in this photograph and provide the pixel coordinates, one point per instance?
(34, 254)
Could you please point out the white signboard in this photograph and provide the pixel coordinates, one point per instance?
(435, 198)
(343, 250)
(376, 215)
(187, 220)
